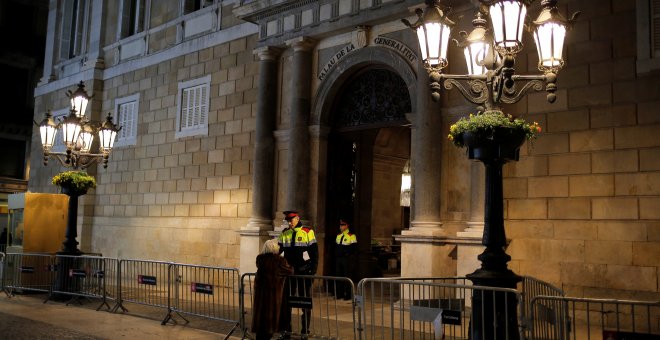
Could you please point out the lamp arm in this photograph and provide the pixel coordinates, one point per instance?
(77, 161)
(514, 96)
(475, 92)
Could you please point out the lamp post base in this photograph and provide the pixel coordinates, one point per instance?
(494, 313)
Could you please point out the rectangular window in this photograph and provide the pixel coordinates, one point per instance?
(133, 15)
(648, 35)
(126, 114)
(193, 107)
(190, 6)
(73, 28)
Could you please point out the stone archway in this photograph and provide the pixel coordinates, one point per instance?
(369, 61)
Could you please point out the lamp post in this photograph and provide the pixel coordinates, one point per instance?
(490, 54)
(78, 136)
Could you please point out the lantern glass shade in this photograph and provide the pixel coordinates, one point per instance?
(508, 18)
(433, 40)
(107, 139)
(48, 131)
(86, 138)
(549, 39)
(79, 100)
(70, 130)
(47, 136)
(475, 55)
(79, 103)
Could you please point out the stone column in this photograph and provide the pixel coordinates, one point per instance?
(256, 231)
(49, 73)
(424, 251)
(96, 36)
(300, 106)
(426, 161)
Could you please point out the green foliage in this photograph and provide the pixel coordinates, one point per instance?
(484, 123)
(79, 181)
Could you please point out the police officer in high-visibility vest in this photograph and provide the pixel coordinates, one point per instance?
(345, 250)
(300, 249)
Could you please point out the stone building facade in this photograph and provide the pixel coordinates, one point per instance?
(317, 106)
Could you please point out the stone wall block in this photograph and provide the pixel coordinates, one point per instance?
(589, 96)
(550, 186)
(645, 254)
(649, 208)
(615, 208)
(525, 209)
(567, 121)
(608, 252)
(643, 183)
(550, 144)
(591, 185)
(636, 137)
(647, 113)
(622, 231)
(649, 159)
(616, 115)
(575, 230)
(526, 166)
(569, 164)
(515, 187)
(537, 102)
(591, 140)
(528, 229)
(614, 161)
(569, 208)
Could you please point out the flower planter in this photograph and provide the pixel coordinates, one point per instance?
(71, 191)
(501, 144)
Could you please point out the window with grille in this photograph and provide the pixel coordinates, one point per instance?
(126, 113)
(648, 35)
(72, 28)
(133, 17)
(193, 107)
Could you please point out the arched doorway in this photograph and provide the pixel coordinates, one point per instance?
(368, 146)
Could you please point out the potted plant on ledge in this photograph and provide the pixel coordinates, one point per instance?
(74, 182)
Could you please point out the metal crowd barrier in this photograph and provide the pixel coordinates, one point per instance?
(2, 269)
(531, 288)
(209, 292)
(429, 308)
(586, 318)
(84, 277)
(144, 283)
(329, 317)
(28, 272)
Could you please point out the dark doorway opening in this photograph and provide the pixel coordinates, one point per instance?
(368, 147)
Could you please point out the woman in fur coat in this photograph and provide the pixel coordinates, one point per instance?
(272, 270)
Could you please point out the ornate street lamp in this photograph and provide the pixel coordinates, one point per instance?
(490, 56)
(77, 134)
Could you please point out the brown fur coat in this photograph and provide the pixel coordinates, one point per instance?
(268, 291)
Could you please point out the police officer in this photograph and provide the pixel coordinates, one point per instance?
(345, 251)
(300, 249)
